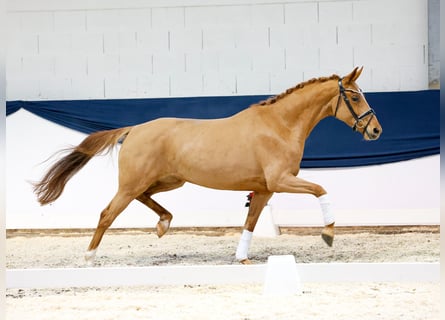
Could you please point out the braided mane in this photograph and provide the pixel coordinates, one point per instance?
(274, 99)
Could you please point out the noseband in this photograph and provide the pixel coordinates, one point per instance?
(359, 124)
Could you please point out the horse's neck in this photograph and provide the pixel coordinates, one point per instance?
(304, 109)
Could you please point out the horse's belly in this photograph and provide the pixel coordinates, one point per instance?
(224, 175)
(229, 183)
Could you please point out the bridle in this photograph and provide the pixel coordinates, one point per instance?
(359, 123)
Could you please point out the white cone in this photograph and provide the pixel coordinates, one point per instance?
(282, 276)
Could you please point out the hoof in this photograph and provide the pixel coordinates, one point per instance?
(245, 261)
(328, 234)
(162, 227)
(328, 239)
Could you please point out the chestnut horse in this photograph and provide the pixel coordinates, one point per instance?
(258, 149)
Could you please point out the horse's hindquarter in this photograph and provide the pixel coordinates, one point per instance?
(142, 155)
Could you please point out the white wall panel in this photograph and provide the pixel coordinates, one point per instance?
(22, 44)
(103, 65)
(410, 76)
(302, 58)
(399, 11)
(135, 64)
(14, 65)
(252, 38)
(119, 42)
(377, 56)
(270, 60)
(134, 19)
(301, 13)
(185, 39)
(310, 72)
(335, 12)
(356, 35)
(320, 35)
(102, 20)
(393, 34)
(35, 22)
(385, 79)
(239, 15)
(219, 83)
(167, 17)
(236, 60)
(186, 84)
(88, 87)
(40, 65)
(280, 81)
(57, 88)
(412, 55)
(154, 40)
(21, 87)
(150, 85)
(219, 37)
(249, 83)
(287, 36)
(54, 43)
(338, 58)
(267, 14)
(87, 43)
(203, 61)
(13, 21)
(336, 36)
(170, 63)
(118, 86)
(70, 65)
(70, 21)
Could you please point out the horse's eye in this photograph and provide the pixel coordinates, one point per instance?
(355, 98)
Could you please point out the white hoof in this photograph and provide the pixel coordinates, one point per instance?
(89, 257)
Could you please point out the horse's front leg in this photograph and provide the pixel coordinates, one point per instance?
(257, 203)
(291, 184)
(327, 234)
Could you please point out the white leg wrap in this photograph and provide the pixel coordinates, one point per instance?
(89, 256)
(325, 204)
(243, 246)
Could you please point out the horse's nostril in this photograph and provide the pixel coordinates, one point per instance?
(376, 130)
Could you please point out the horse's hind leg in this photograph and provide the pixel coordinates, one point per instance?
(108, 215)
(257, 203)
(165, 216)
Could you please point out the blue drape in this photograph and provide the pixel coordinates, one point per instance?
(410, 121)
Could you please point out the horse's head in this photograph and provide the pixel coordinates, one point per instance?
(353, 109)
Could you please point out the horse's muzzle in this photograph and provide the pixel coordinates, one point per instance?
(372, 133)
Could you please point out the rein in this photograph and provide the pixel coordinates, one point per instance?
(358, 118)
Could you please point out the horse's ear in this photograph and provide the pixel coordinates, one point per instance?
(353, 75)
